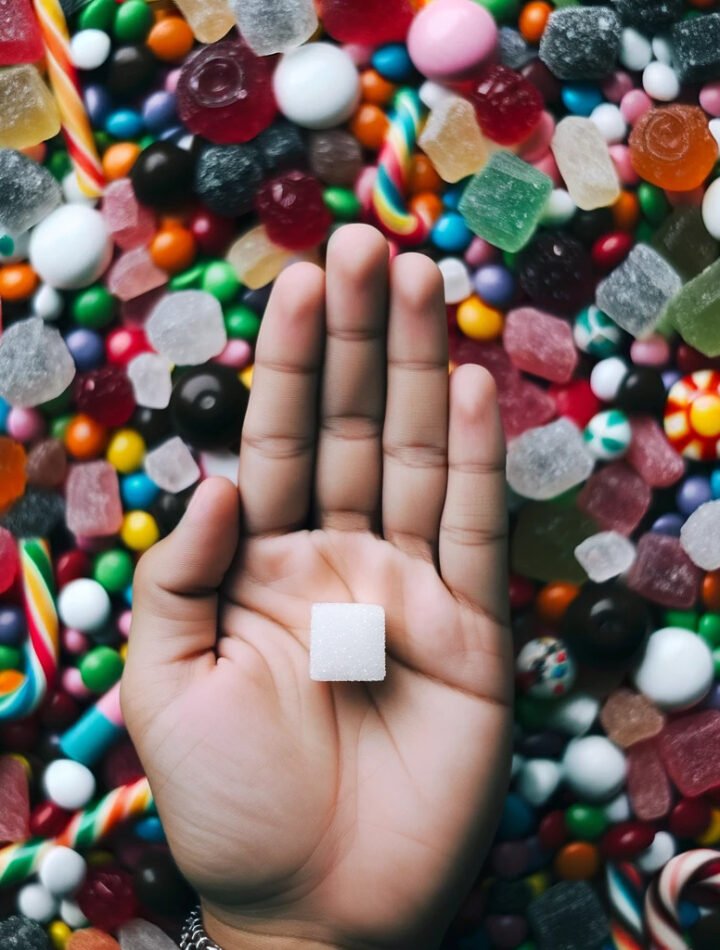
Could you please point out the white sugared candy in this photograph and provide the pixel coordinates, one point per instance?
(676, 669)
(62, 871)
(187, 327)
(37, 903)
(69, 784)
(317, 86)
(700, 536)
(140, 934)
(90, 48)
(84, 605)
(347, 642)
(594, 768)
(605, 555)
(71, 248)
(456, 279)
(150, 376)
(172, 466)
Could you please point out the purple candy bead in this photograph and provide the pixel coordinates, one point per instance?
(159, 111)
(693, 492)
(668, 524)
(86, 348)
(12, 625)
(98, 104)
(494, 284)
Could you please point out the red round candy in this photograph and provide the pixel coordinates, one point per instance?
(225, 92)
(552, 832)
(107, 898)
(627, 839)
(507, 105)
(611, 249)
(292, 209)
(124, 344)
(690, 817)
(522, 591)
(70, 566)
(212, 233)
(371, 23)
(575, 400)
(106, 395)
(48, 819)
(122, 765)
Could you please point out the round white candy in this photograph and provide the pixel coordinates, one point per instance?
(711, 207)
(635, 50)
(72, 915)
(574, 715)
(317, 86)
(618, 810)
(47, 303)
(84, 605)
(660, 82)
(609, 120)
(559, 208)
(594, 768)
(69, 784)
(606, 377)
(538, 780)
(71, 248)
(456, 279)
(662, 50)
(89, 48)
(658, 854)
(432, 93)
(62, 871)
(676, 670)
(37, 903)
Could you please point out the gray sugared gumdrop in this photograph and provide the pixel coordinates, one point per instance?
(142, 935)
(187, 327)
(35, 363)
(700, 536)
(581, 42)
(637, 292)
(546, 461)
(28, 192)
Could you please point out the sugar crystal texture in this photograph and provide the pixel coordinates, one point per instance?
(347, 642)
(545, 462)
(616, 497)
(663, 573)
(648, 13)
(629, 717)
(133, 274)
(274, 27)
(568, 916)
(524, 406)
(690, 749)
(14, 801)
(255, 259)
(28, 192)
(637, 292)
(541, 344)
(515, 51)
(28, 112)
(92, 497)
(187, 327)
(142, 935)
(581, 42)
(151, 380)
(700, 536)
(171, 466)
(685, 243)
(504, 202)
(20, 39)
(209, 20)
(452, 139)
(648, 786)
(228, 176)
(695, 45)
(35, 363)
(584, 162)
(695, 311)
(651, 455)
(544, 540)
(131, 224)
(605, 555)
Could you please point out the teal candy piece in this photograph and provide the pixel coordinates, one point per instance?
(695, 311)
(504, 202)
(595, 333)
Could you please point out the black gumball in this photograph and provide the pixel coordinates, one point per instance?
(208, 406)
(154, 425)
(160, 886)
(130, 71)
(162, 176)
(606, 625)
(642, 390)
(556, 273)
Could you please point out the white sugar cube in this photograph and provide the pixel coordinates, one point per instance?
(347, 642)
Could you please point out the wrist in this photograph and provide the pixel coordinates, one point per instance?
(258, 935)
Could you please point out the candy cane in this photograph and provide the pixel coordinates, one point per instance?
(625, 892)
(663, 895)
(68, 95)
(42, 644)
(86, 828)
(394, 164)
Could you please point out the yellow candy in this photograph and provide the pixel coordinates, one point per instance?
(139, 530)
(123, 652)
(539, 882)
(246, 376)
(711, 835)
(59, 934)
(126, 451)
(478, 321)
(705, 415)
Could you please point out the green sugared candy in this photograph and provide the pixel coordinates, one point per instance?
(695, 311)
(500, 9)
(504, 202)
(100, 669)
(585, 822)
(683, 240)
(114, 570)
(241, 322)
(10, 658)
(341, 203)
(220, 280)
(98, 15)
(544, 542)
(94, 308)
(133, 21)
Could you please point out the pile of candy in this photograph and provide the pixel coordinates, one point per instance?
(160, 164)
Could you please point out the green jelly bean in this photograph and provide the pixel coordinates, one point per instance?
(133, 21)
(500, 9)
(653, 203)
(688, 619)
(103, 140)
(716, 662)
(59, 164)
(241, 322)
(114, 570)
(94, 308)
(709, 629)
(585, 822)
(220, 280)
(341, 203)
(58, 427)
(10, 658)
(644, 232)
(98, 15)
(101, 668)
(187, 279)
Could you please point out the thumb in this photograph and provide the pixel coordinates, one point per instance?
(175, 589)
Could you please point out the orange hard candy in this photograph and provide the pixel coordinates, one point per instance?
(12, 471)
(673, 148)
(92, 939)
(577, 861)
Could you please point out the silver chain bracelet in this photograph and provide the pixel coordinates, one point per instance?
(193, 934)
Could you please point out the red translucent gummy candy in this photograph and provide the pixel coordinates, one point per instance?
(292, 209)
(371, 22)
(663, 573)
(690, 749)
(225, 92)
(9, 561)
(20, 39)
(105, 394)
(507, 105)
(107, 898)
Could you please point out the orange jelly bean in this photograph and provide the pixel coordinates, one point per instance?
(173, 249)
(369, 125)
(10, 680)
(711, 591)
(553, 600)
(17, 281)
(423, 176)
(84, 437)
(118, 160)
(375, 88)
(533, 21)
(170, 39)
(91, 938)
(577, 861)
(12, 471)
(673, 148)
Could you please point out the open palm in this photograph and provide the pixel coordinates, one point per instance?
(341, 814)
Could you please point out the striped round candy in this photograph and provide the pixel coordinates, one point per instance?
(608, 434)
(692, 415)
(595, 333)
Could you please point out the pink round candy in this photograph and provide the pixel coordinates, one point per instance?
(655, 351)
(710, 98)
(25, 425)
(480, 252)
(237, 353)
(617, 85)
(72, 683)
(634, 105)
(450, 39)
(123, 623)
(536, 145)
(620, 154)
(75, 642)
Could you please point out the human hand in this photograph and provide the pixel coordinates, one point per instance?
(335, 814)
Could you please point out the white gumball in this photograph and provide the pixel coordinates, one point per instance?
(84, 605)
(676, 669)
(317, 86)
(69, 784)
(71, 248)
(37, 903)
(62, 871)
(594, 768)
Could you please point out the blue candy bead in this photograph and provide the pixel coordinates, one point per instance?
(98, 104)
(693, 492)
(159, 111)
(174, 134)
(86, 348)
(494, 284)
(124, 124)
(12, 625)
(128, 595)
(688, 913)
(668, 524)
(581, 98)
(392, 62)
(452, 195)
(256, 299)
(450, 233)
(669, 378)
(4, 413)
(714, 481)
(138, 491)
(517, 821)
(150, 829)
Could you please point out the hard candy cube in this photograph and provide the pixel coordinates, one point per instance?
(568, 916)
(605, 555)
(276, 27)
(700, 536)
(581, 42)
(544, 540)
(651, 455)
(209, 20)
(616, 498)
(690, 749)
(35, 363)
(130, 223)
(28, 112)
(637, 292)
(504, 202)
(28, 192)
(93, 507)
(14, 801)
(452, 139)
(347, 642)
(545, 462)
(695, 45)
(584, 162)
(695, 311)
(684, 241)
(171, 466)
(663, 573)
(187, 327)
(20, 39)
(541, 344)
(133, 274)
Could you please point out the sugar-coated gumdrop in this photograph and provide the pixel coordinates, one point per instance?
(9, 561)
(14, 801)
(629, 717)
(690, 750)
(648, 787)
(292, 209)
(664, 573)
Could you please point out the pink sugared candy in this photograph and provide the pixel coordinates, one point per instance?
(629, 717)
(508, 106)
(134, 274)
(130, 223)
(648, 787)
(371, 22)
(292, 209)
(20, 39)
(690, 750)
(663, 573)
(14, 801)
(541, 344)
(651, 455)
(616, 498)
(93, 506)
(451, 39)
(524, 406)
